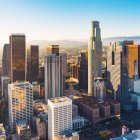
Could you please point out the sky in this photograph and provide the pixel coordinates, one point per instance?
(68, 19)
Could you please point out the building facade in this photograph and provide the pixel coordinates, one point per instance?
(83, 70)
(20, 100)
(59, 117)
(54, 76)
(114, 70)
(4, 87)
(5, 60)
(33, 63)
(17, 57)
(94, 56)
(53, 49)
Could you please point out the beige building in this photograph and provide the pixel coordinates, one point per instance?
(20, 100)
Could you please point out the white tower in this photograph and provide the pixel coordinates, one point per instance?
(94, 56)
(59, 117)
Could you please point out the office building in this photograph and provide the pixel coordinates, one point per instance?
(2, 132)
(42, 125)
(94, 56)
(129, 67)
(75, 72)
(59, 117)
(20, 100)
(114, 70)
(17, 57)
(33, 63)
(4, 87)
(83, 70)
(53, 76)
(53, 49)
(23, 130)
(5, 60)
(99, 89)
(64, 58)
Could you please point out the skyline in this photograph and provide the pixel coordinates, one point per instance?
(62, 20)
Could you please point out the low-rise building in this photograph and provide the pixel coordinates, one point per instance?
(78, 122)
(72, 136)
(2, 132)
(23, 130)
(42, 125)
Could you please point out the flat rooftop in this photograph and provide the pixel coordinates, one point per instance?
(59, 99)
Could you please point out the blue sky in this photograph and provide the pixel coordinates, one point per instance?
(68, 19)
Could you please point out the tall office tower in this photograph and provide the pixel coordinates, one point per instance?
(59, 117)
(75, 71)
(94, 56)
(33, 63)
(5, 60)
(64, 58)
(53, 49)
(4, 87)
(20, 100)
(114, 70)
(83, 70)
(53, 76)
(129, 58)
(17, 57)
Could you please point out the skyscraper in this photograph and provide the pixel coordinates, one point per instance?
(129, 57)
(53, 49)
(17, 57)
(20, 100)
(4, 87)
(53, 76)
(33, 63)
(59, 117)
(94, 56)
(114, 69)
(5, 60)
(83, 70)
(64, 58)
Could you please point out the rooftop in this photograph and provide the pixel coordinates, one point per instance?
(59, 99)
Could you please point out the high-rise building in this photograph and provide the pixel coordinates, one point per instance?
(53, 76)
(129, 60)
(17, 57)
(64, 58)
(59, 117)
(114, 70)
(53, 49)
(20, 100)
(94, 56)
(83, 70)
(33, 63)
(4, 87)
(5, 60)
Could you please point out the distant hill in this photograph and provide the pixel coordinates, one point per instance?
(61, 43)
(106, 41)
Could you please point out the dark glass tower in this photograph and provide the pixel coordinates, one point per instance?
(17, 57)
(83, 71)
(5, 60)
(33, 63)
